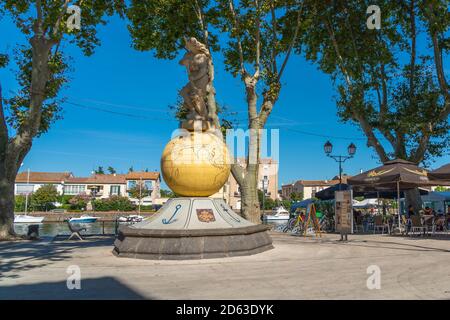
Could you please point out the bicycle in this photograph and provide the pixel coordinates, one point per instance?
(295, 225)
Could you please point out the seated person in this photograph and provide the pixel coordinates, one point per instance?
(428, 211)
(410, 212)
(440, 221)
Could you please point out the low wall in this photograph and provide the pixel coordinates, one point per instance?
(102, 215)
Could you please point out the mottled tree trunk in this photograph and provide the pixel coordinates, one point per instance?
(249, 195)
(412, 197)
(6, 208)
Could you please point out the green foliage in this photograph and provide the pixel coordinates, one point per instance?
(139, 191)
(79, 202)
(286, 204)
(64, 199)
(167, 194)
(147, 208)
(99, 170)
(53, 28)
(162, 26)
(111, 170)
(269, 203)
(384, 84)
(296, 196)
(44, 197)
(441, 189)
(19, 204)
(114, 203)
(4, 60)
(19, 104)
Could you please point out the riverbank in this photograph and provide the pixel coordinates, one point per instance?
(107, 216)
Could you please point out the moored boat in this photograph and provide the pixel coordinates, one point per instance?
(131, 218)
(83, 219)
(279, 213)
(27, 219)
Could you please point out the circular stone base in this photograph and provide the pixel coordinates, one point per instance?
(192, 228)
(192, 244)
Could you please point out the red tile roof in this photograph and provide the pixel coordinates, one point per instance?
(136, 175)
(99, 179)
(44, 177)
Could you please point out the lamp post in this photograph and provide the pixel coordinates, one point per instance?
(351, 149)
(28, 190)
(265, 183)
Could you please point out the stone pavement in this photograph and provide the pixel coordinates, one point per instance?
(298, 268)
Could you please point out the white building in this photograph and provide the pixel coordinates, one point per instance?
(99, 186)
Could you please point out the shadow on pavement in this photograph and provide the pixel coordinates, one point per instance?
(18, 256)
(381, 242)
(98, 288)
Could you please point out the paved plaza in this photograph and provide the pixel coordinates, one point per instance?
(298, 268)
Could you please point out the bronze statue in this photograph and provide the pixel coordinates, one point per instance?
(196, 61)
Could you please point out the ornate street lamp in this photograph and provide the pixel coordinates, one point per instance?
(328, 148)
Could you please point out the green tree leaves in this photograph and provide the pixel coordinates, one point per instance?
(44, 197)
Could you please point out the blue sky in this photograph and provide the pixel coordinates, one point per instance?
(121, 80)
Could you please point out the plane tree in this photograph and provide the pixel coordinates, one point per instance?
(42, 67)
(254, 38)
(390, 82)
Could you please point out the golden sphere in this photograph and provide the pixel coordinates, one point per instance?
(195, 164)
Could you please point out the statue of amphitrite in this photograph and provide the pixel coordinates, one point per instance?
(196, 61)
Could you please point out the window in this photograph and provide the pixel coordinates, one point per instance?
(148, 184)
(131, 184)
(74, 189)
(24, 188)
(114, 190)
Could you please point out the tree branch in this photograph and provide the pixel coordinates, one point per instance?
(38, 24)
(238, 37)
(274, 40)
(257, 40)
(238, 173)
(439, 67)
(372, 140)
(413, 53)
(291, 45)
(203, 25)
(61, 15)
(3, 127)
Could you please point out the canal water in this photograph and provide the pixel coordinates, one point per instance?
(51, 229)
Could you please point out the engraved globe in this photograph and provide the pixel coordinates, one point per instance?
(195, 164)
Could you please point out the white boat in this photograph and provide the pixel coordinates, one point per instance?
(279, 213)
(27, 219)
(83, 219)
(131, 218)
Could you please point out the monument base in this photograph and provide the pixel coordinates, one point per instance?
(192, 228)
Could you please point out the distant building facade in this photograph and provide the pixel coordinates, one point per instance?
(268, 170)
(308, 188)
(99, 186)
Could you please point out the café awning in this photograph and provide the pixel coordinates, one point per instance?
(442, 173)
(393, 175)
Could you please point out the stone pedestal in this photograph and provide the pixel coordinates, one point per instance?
(192, 228)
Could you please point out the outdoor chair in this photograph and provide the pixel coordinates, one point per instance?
(405, 226)
(359, 227)
(379, 224)
(75, 231)
(440, 223)
(416, 225)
